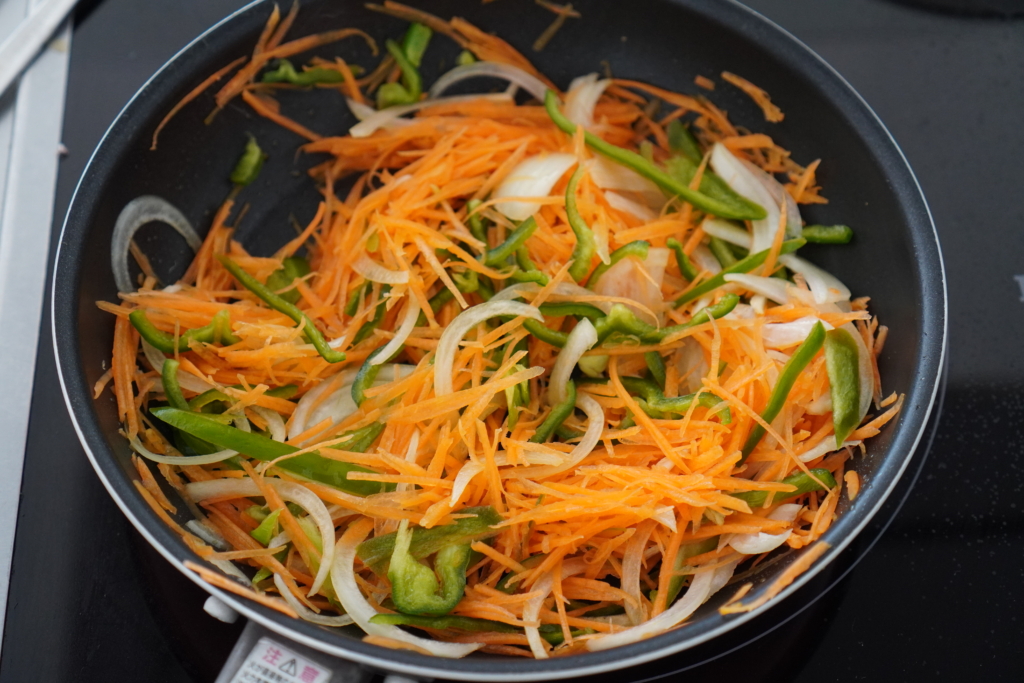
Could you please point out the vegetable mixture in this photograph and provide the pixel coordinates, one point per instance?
(544, 372)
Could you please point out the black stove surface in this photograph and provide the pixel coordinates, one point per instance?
(936, 597)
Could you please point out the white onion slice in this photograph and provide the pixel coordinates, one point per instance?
(390, 117)
(289, 491)
(531, 610)
(632, 559)
(339, 404)
(512, 74)
(705, 260)
(757, 544)
(304, 612)
(827, 445)
(609, 175)
(301, 417)
(666, 516)
(637, 280)
(696, 594)
(375, 272)
(409, 318)
(466, 474)
(580, 340)
(783, 335)
(595, 426)
(209, 459)
(626, 205)
(448, 344)
(343, 578)
(770, 287)
(582, 97)
(136, 213)
(360, 110)
(275, 423)
(726, 231)
(207, 533)
(825, 286)
(532, 177)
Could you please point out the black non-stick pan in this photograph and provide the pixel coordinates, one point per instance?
(894, 259)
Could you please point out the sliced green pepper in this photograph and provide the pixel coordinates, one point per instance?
(654, 398)
(352, 305)
(842, 362)
(415, 42)
(656, 365)
(414, 586)
(465, 58)
(639, 249)
(682, 141)
(449, 622)
(373, 323)
(685, 552)
(282, 280)
(744, 266)
(365, 377)
(787, 376)
(741, 208)
(501, 253)
(475, 220)
(559, 414)
(411, 87)
(561, 309)
(828, 234)
(425, 542)
(267, 529)
(310, 331)
(286, 73)
(683, 170)
(284, 391)
(623, 320)
(722, 252)
(217, 331)
(308, 465)
(586, 245)
(249, 164)
(803, 482)
(172, 390)
(686, 267)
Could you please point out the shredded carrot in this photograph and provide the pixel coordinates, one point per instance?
(214, 579)
(704, 82)
(772, 113)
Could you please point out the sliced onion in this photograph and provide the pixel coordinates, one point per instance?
(289, 491)
(582, 97)
(757, 544)
(696, 594)
(532, 177)
(770, 287)
(304, 612)
(722, 576)
(827, 288)
(409, 318)
(692, 365)
(637, 280)
(827, 445)
(512, 74)
(209, 459)
(301, 417)
(666, 516)
(360, 110)
(275, 423)
(595, 426)
(207, 533)
(626, 205)
(448, 344)
(531, 610)
(784, 335)
(726, 231)
(391, 117)
(705, 260)
(343, 578)
(580, 340)
(186, 380)
(466, 474)
(136, 213)
(230, 569)
(312, 410)
(632, 561)
(609, 175)
(794, 222)
(375, 272)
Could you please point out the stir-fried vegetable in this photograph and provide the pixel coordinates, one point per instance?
(516, 382)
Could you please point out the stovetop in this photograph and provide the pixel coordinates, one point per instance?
(937, 596)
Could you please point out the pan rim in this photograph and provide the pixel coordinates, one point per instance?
(930, 362)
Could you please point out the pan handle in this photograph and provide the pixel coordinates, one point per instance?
(260, 655)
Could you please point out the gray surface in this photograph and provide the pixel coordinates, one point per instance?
(30, 121)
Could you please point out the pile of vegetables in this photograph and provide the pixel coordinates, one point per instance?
(544, 372)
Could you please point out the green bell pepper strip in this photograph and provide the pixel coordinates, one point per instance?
(500, 254)
(249, 164)
(561, 309)
(559, 414)
(528, 563)
(172, 390)
(361, 439)
(686, 267)
(448, 622)
(366, 376)
(352, 305)
(286, 391)
(828, 234)
(308, 465)
(286, 73)
(638, 248)
(415, 42)
(373, 323)
(267, 529)
(552, 633)
(475, 221)
(207, 397)
(586, 244)
(534, 276)
(685, 552)
(623, 320)
(411, 87)
(415, 587)
(787, 376)
(310, 331)
(545, 333)
(842, 363)
(742, 209)
(683, 170)
(801, 480)
(654, 397)
(682, 141)
(656, 364)
(377, 551)
(218, 330)
(744, 266)
(292, 269)
(722, 252)
(465, 58)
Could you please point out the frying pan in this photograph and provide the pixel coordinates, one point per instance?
(894, 259)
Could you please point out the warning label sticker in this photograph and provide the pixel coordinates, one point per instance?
(271, 662)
